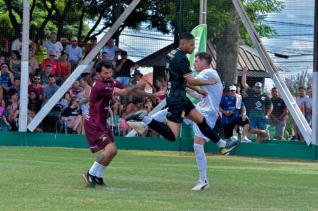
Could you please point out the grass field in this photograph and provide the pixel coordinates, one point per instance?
(50, 179)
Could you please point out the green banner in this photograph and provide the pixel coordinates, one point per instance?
(200, 35)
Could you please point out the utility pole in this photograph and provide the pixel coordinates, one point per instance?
(179, 21)
(315, 80)
(23, 115)
(117, 12)
(203, 11)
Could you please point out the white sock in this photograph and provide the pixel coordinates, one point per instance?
(97, 169)
(93, 169)
(221, 143)
(201, 161)
(100, 171)
(161, 116)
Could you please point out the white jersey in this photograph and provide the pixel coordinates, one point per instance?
(209, 105)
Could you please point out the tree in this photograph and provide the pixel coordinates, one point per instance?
(71, 17)
(225, 28)
(151, 11)
(226, 31)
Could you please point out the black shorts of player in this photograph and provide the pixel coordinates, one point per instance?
(228, 128)
(179, 106)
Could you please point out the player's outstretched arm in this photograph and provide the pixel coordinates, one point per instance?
(191, 81)
(125, 91)
(136, 90)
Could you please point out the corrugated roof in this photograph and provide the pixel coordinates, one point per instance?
(247, 57)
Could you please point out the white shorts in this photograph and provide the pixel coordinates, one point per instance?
(210, 119)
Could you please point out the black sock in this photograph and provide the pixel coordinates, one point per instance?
(208, 131)
(162, 129)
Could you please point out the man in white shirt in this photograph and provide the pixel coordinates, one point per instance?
(74, 52)
(17, 44)
(110, 48)
(53, 45)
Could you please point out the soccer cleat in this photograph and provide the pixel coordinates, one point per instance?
(246, 140)
(99, 181)
(138, 116)
(89, 180)
(140, 127)
(201, 186)
(230, 145)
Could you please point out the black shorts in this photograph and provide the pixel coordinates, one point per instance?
(178, 108)
(228, 128)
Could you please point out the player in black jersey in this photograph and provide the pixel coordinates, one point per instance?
(179, 106)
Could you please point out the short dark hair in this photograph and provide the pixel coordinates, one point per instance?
(123, 53)
(301, 87)
(93, 38)
(204, 56)
(274, 88)
(186, 36)
(106, 64)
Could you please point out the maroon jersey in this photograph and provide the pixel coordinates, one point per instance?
(99, 100)
(97, 133)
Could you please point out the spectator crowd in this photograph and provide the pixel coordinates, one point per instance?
(47, 76)
(245, 111)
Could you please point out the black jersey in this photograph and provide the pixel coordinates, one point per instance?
(177, 66)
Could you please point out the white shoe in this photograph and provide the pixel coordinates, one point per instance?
(246, 140)
(201, 186)
(140, 127)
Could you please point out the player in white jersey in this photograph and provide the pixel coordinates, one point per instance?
(208, 106)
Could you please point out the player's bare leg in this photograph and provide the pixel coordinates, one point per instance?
(175, 127)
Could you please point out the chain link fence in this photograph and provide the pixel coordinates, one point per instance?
(61, 34)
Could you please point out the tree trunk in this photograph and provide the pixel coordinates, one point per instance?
(227, 51)
(49, 16)
(17, 27)
(60, 19)
(100, 17)
(80, 28)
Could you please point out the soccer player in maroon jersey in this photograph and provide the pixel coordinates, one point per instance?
(99, 136)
